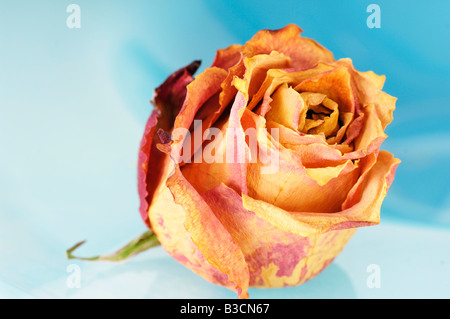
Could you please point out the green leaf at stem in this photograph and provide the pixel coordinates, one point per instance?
(136, 246)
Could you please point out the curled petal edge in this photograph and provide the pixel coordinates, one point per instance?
(364, 213)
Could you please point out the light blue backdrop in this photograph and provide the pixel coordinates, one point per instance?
(74, 102)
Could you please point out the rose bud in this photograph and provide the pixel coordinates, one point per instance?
(258, 171)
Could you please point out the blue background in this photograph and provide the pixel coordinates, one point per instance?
(73, 106)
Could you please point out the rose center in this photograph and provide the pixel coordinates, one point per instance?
(319, 115)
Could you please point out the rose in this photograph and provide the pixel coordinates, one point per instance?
(319, 123)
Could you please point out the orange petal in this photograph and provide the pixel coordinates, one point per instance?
(311, 124)
(372, 133)
(213, 169)
(329, 126)
(322, 175)
(292, 188)
(207, 232)
(275, 258)
(385, 106)
(277, 77)
(286, 107)
(355, 194)
(228, 90)
(211, 111)
(336, 85)
(313, 150)
(345, 118)
(203, 120)
(354, 128)
(231, 155)
(304, 52)
(256, 69)
(368, 88)
(317, 155)
(365, 212)
(199, 91)
(365, 132)
(226, 58)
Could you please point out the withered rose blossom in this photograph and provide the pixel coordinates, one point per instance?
(230, 221)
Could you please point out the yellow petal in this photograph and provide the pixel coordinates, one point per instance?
(287, 107)
(322, 175)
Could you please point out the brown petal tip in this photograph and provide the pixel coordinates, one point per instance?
(193, 67)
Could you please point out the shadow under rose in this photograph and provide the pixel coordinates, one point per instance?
(150, 275)
(331, 283)
(158, 276)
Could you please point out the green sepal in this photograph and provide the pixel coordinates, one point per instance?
(143, 242)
